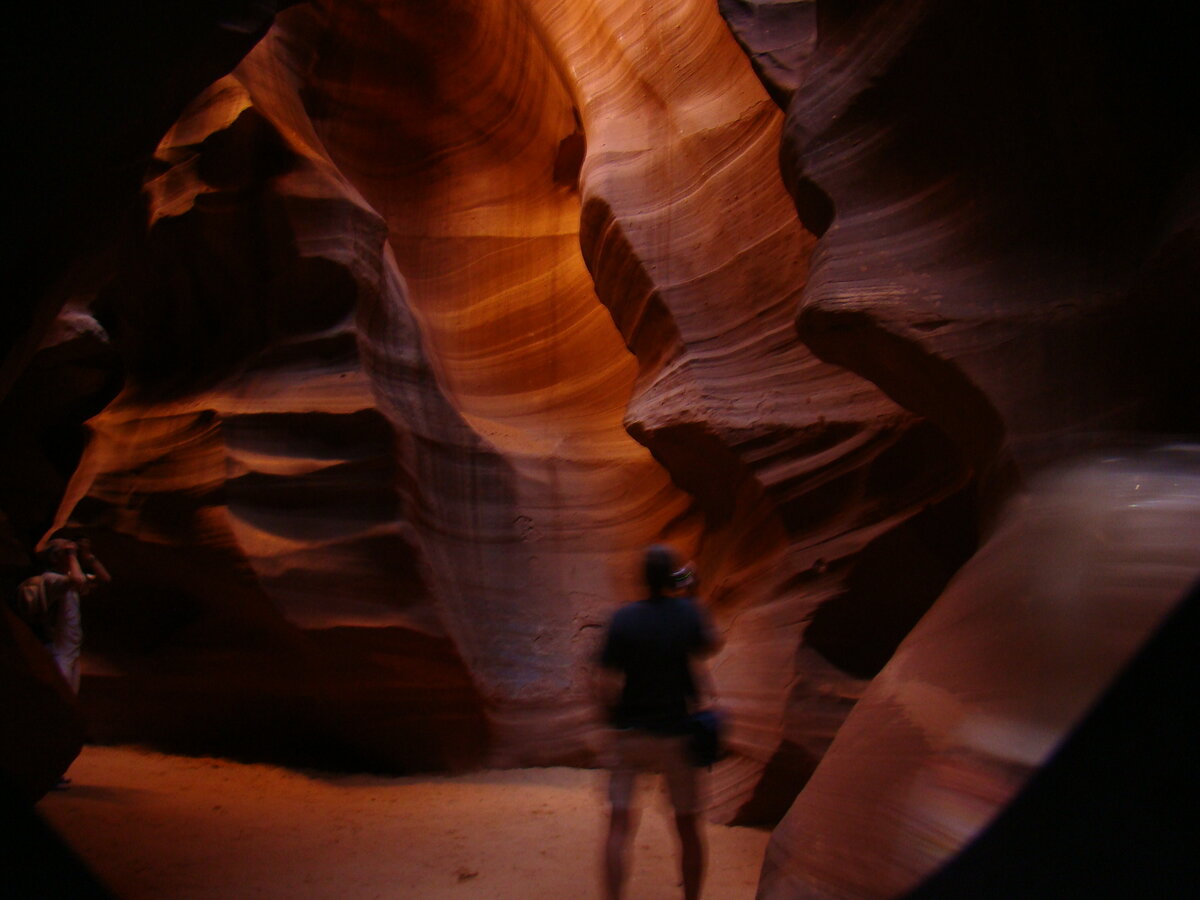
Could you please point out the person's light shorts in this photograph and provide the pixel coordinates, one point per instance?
(641, 752)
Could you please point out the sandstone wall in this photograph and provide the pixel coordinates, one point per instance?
(1004, 195)
(427, 319)
(432, 322)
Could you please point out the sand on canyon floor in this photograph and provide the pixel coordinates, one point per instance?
(152, 825)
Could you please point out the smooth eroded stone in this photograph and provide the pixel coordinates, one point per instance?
(1078, 573)
(435, 320)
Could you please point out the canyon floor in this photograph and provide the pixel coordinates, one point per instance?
(152, 825)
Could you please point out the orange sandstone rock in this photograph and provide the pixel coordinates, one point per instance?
(437, 315)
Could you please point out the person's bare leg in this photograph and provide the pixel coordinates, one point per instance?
(619, 824)
(691, 854)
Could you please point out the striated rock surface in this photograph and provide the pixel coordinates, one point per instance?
(1007, 216)
(434, 321)
(1005, 201)
(430, 318)
(780, 452)
(1077, 575)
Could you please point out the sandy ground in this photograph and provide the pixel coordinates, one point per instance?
(154, 825)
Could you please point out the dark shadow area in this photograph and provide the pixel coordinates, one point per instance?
(1114, 813)
(90, 89)
(385, 701)
(43, 730)
(213, 668)
(700, 463)
(777, 37)
(933, 387)
(814, 207)
(1032, 158)
(895, 579)
(35, 860)
(44, 435)
(1072, 122)
(778, 786)
(206, 292)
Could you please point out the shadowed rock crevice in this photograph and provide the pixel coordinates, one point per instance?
(111, 79)
(778, 37)
(1003, 194)
(895, 579)
(622, 283)
(44, 730)
(74, 375)
(213, 289)
(958, 193)
(919, 381)
(214, 669)
(780, 781)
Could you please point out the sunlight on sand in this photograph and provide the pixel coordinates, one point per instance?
(152, 826)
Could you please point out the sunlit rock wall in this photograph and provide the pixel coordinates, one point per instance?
(433, 321)
(430, 318)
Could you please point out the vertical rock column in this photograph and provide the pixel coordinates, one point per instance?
(795, 466)
(456, 126)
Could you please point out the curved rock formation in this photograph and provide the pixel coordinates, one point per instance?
(780, 451)
(1006, 253)
(1008, 247)
(1076, 577)
(433, 317)
(373, 387)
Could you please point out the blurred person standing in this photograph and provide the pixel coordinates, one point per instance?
(648, 688)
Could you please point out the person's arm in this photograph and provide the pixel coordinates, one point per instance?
(606, 687)
(607, 676)
(93, 563)
(702, 681)
(75, 576)
(709, 641)
(714, 640)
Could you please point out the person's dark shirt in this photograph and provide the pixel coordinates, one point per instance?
(652, 642)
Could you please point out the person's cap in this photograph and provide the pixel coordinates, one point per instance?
(683, 577)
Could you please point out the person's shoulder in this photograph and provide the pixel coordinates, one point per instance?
(31, 589)
(635, 614)
(689, 609)
(687, 604)
(627, 612)
(55, 584)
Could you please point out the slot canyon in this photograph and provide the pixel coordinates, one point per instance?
(370, 342)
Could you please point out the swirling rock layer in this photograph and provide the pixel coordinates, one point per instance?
(432, 318)
(1006, 254)
(435, 321)
(1008, 247)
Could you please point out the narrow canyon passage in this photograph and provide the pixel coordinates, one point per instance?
(368, 343)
